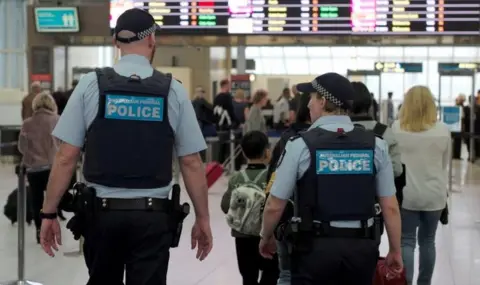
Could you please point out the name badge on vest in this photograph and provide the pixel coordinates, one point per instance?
(123, 107)
(330, 162)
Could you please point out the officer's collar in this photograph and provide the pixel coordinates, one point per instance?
(327, 120)
(256, 166)
(358, 118)
(134, 58)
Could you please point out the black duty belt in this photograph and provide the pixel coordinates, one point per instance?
(139, 204)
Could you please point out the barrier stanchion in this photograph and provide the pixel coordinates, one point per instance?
(232, 152)
(450, 174)
(21, 215)
(209, 152)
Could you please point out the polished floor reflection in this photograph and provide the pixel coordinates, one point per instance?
(458, 244)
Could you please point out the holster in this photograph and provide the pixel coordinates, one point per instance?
(84, 210)
(180, 212)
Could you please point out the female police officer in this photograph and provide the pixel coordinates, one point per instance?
(133, 117)
(338, 171)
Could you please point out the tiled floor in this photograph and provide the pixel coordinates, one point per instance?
(458, 244)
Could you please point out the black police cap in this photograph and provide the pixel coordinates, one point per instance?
(333, 87)
(137, 21)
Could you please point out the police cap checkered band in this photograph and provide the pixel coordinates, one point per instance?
(137, 21)
(324, 92)
(332, 86)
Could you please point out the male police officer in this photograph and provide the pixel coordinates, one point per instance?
(338, 171)
(132, 118)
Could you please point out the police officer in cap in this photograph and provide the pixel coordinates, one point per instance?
(338, 170)
(129, 119)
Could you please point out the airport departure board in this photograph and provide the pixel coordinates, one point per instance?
(303, 17)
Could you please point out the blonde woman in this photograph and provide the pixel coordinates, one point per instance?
(38, 148)
(424, 144)
(255, 120)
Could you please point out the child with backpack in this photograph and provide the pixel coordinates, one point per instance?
(243, 204)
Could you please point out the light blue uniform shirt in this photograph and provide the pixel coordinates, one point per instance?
(82, 108)
(296, 162)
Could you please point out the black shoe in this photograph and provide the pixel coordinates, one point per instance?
(38, 236)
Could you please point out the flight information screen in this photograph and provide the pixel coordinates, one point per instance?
(303, 17)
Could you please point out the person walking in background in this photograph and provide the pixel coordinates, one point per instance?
(69, 92)
(204, 112)
(390, 110)
(225, 118)
(255, 120)
(281, 110)
(360, 114)
(27, 111)
(38, 148)
(61, 101)
(240, 106)
(457, 138)
(223, 107)
(294, 102)
(424, 144)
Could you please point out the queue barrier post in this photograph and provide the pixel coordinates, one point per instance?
(232, 151)
(21, 215)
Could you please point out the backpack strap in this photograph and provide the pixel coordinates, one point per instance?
(259, 176)
(379, 129)
(245, 176)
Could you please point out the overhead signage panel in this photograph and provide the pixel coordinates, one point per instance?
(57, 20)
(398, 67)
(458, 66)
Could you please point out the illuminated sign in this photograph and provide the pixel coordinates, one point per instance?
(398, 67)
(57, 20)
(459, 66)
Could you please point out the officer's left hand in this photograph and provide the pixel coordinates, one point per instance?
(50, 236)
(267, 247)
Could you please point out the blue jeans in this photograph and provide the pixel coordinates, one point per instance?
(283, 263)
(426, 222)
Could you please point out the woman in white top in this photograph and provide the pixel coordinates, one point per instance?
(425, 145)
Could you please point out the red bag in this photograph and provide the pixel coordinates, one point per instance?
(381, 275)
(214, 171)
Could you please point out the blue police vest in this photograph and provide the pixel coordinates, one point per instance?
(130, 142)
(340, 183)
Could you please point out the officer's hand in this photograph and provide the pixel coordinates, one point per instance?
(394, 264)
(202, 238)
(267, 247)
(50, 236)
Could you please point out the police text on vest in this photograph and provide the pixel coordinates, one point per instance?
(121, 107)
(330, 162)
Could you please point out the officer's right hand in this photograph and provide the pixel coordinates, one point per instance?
(394, 264)
(202, 237)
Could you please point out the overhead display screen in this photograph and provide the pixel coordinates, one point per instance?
(303, 17)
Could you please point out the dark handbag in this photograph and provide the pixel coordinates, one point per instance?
(444, 216)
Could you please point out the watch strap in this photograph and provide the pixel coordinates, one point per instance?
(48, 216)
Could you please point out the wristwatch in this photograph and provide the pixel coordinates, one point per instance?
(48, 216)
